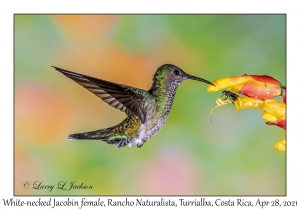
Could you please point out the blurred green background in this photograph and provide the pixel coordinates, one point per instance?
(232, 155)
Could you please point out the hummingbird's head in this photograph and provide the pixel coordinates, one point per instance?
(171, 74)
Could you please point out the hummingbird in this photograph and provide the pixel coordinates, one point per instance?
(146, 111)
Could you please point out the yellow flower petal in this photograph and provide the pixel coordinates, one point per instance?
(276, 108)
(249, 103)
(234, 84)
(220, 84)
(269, 117)
(272, 107)
(280, 145)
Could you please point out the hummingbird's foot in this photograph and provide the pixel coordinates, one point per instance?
(123, 143)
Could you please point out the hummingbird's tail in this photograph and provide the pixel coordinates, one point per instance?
(108, 135)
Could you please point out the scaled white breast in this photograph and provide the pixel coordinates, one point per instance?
(145, 133)
(147, 130)
(142, 135)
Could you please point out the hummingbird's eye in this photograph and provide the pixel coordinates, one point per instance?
(176, 72)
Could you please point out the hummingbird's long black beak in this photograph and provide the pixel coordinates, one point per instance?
(200, 79)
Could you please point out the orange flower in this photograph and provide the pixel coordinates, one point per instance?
(256, 86)
(259, 89)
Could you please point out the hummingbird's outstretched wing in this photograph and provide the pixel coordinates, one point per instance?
(122, 97)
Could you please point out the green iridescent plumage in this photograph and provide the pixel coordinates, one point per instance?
(146, 111)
